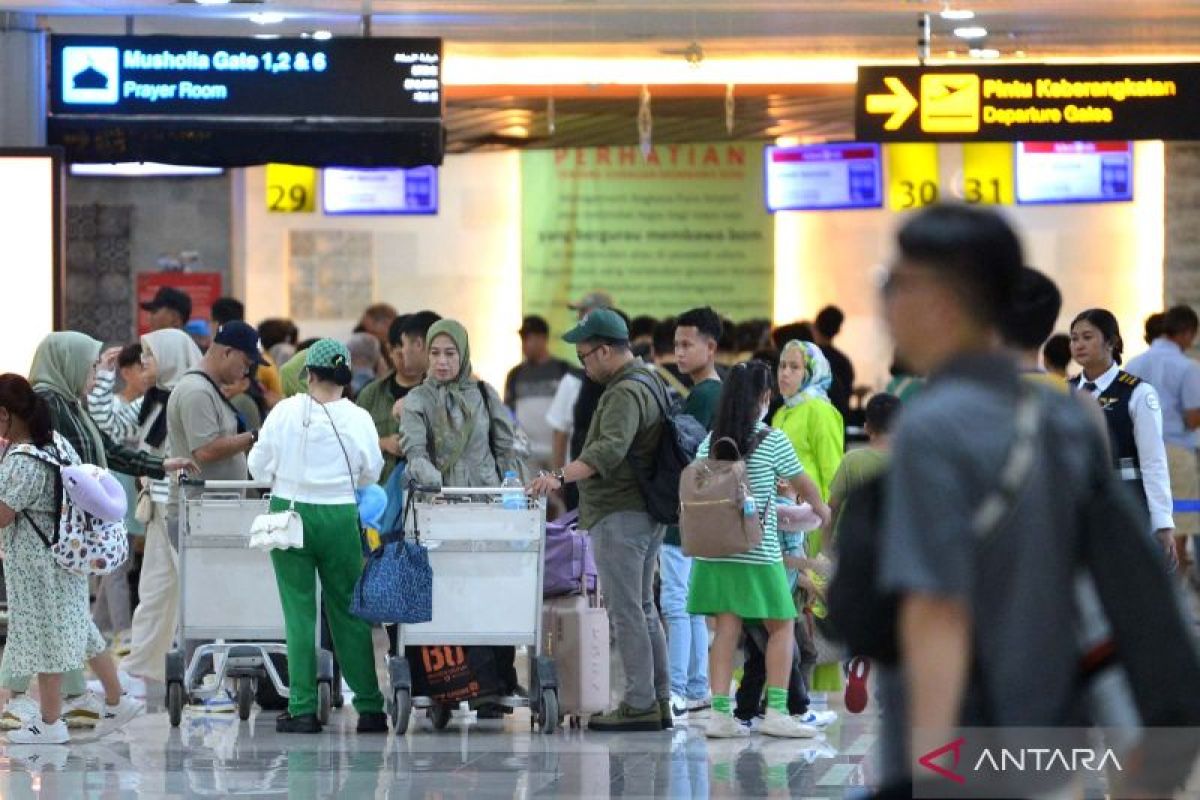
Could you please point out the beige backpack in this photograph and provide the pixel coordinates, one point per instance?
(712, 498)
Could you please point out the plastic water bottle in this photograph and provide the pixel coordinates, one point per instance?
(514, 498)
(749, 506)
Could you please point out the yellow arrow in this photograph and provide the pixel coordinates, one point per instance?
(900, 104)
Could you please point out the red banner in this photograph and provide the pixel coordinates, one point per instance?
(202, 287)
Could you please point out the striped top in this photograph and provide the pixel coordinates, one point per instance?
(119, 420)
(775, 458)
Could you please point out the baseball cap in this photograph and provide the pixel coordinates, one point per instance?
(534, 325)
(239, 336)
(327, 354)
(593, 300)
(601, 323)
(198, 327)
(168, 297)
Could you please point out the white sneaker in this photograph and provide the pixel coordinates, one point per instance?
(697, 706)
(83, 711)
(37, 731)
(116, 717)
(679, 708)
(785, 727)
(724, 726)
(816, 719)
(751, 725)
(18, 710)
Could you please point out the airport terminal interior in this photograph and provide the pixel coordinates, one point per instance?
(545, 265)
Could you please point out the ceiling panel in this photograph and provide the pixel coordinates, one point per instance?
(856, 28)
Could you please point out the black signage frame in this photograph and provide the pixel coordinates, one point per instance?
(1028, 102)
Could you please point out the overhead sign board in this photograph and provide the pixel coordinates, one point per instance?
(823, 176)
(1074, 172)
(224, 101)
(380, 191)
(177, 76)
(1027, 102)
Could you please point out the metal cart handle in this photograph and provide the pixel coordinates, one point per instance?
(216, 485)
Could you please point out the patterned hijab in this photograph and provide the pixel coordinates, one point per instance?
(454, 423)
(62, 364)
(818, 376)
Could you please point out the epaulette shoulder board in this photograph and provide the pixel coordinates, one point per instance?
(1132, 380)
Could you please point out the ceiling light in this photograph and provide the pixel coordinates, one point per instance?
(957, 14)
(984, 52)
(322, 36)
(267, 18)
(267, 36)
(971, 32)
(211, 2)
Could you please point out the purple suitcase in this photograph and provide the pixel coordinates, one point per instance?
(570, 566)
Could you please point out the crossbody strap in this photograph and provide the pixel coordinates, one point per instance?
(1017, 470)
(241, 422)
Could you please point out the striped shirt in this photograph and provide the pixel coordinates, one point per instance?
(775, 458)
(111, 413)
(119, 420)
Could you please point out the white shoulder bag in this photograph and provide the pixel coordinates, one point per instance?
(282, 529)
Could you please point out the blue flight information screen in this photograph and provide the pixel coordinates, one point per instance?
(198, 77)
(1074, 172)
(823, 177)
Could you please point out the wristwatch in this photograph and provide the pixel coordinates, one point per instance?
(560, 476)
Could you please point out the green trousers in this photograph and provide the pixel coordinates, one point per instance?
(333, 552)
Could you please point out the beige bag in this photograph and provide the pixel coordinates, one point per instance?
(143, 511)
(712, 500)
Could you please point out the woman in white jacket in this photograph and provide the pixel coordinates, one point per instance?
(316, 449)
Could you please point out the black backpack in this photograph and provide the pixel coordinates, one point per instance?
(861, 614)
(681, 438)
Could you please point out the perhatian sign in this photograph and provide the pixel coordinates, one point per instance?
(1028, 102)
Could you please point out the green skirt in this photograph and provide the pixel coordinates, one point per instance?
(751, 591)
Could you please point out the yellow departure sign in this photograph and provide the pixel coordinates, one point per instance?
(1026, 102)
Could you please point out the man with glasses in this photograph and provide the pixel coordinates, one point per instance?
(624, 431)
(201, 422)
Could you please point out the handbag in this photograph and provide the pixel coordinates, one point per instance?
(143, 510)
(396, 585)
(281, 530)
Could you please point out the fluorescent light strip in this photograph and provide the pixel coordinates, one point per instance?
(136, 169)
(466, 70)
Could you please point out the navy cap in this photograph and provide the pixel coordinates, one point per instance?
(239, 336)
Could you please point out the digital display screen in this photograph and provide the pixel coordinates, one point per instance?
(380, 191)
(823, 177)
(188, 77)
(1074, 172)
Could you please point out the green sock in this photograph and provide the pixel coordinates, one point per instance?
(777, 699)
(722, 704)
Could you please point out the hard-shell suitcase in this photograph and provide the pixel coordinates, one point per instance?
(575, 636)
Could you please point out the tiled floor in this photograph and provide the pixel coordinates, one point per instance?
(218, 756)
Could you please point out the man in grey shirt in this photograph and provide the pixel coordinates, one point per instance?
(201, 423)
(979, 646)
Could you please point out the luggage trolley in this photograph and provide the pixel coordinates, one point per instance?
(487, 565)
(228, 599)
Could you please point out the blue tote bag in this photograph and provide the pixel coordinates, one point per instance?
(396, 586)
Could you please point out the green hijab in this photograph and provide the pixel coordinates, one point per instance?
(62, 364)
(289, 375)
(450, 437)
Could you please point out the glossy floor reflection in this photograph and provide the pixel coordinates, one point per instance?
(218, 756)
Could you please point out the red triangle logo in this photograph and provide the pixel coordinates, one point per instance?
(954, 747)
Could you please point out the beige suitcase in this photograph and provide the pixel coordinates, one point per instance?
(575, 636)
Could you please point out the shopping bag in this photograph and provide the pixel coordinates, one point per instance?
(450, 674)
(396, 585)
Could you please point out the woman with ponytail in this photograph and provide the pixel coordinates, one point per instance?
(50, 628)
(1133, 415)
(752, 586)
(317, 449)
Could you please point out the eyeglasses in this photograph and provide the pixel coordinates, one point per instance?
(583, 357)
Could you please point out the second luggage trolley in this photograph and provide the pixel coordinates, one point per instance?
(487, 565)
(229, 604)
